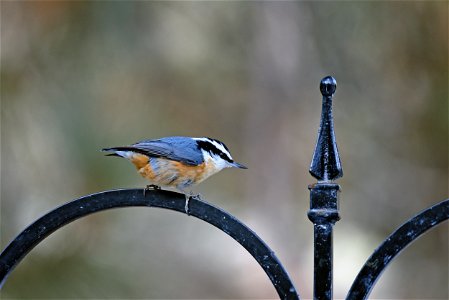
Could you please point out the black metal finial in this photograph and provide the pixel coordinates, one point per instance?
(328, 85)
(326, 164)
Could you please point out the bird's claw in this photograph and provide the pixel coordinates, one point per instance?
(197, 197)
(151, 187)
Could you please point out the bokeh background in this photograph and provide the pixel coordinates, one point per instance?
(77, 76)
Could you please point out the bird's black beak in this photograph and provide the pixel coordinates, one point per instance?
(237, 165)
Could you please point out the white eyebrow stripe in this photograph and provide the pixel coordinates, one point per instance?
(217, 145)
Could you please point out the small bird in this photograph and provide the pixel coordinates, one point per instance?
(177, 162)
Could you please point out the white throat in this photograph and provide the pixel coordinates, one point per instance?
(219, 163)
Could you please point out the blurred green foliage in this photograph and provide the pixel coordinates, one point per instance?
(77, 76)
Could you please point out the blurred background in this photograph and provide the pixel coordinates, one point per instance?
(77, 76)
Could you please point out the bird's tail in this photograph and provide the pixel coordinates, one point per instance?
(117, 151)
(124, 151)
(113, 154)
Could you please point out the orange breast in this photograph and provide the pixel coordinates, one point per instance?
(164, 172)
(139, 160)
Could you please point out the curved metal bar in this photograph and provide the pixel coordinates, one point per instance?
(395, 243)
(84, 206)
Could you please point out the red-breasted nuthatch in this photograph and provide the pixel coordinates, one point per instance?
(177, 162)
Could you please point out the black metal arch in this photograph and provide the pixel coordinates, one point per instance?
(84, 206)
(393, 245)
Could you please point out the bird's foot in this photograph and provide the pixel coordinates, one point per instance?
(151, 187)
(188, 197)
(186, 206)
(196, 197)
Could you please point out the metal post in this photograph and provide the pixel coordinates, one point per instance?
(323, 212)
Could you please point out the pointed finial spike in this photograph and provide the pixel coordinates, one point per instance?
(328, 85)
(326, 164)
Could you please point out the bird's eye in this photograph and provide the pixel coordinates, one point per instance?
(225, 157)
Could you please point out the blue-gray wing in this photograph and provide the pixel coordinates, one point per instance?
(178, 148)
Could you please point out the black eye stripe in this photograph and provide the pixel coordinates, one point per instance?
(220, 143)
(211, 148)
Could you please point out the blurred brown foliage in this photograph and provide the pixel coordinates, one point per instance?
(77, 76)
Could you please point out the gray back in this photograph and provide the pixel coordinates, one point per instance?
(178, 148)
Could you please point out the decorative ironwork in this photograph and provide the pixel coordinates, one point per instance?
(326, 164)
(87, 205)
(393, 245)
(324, 213)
